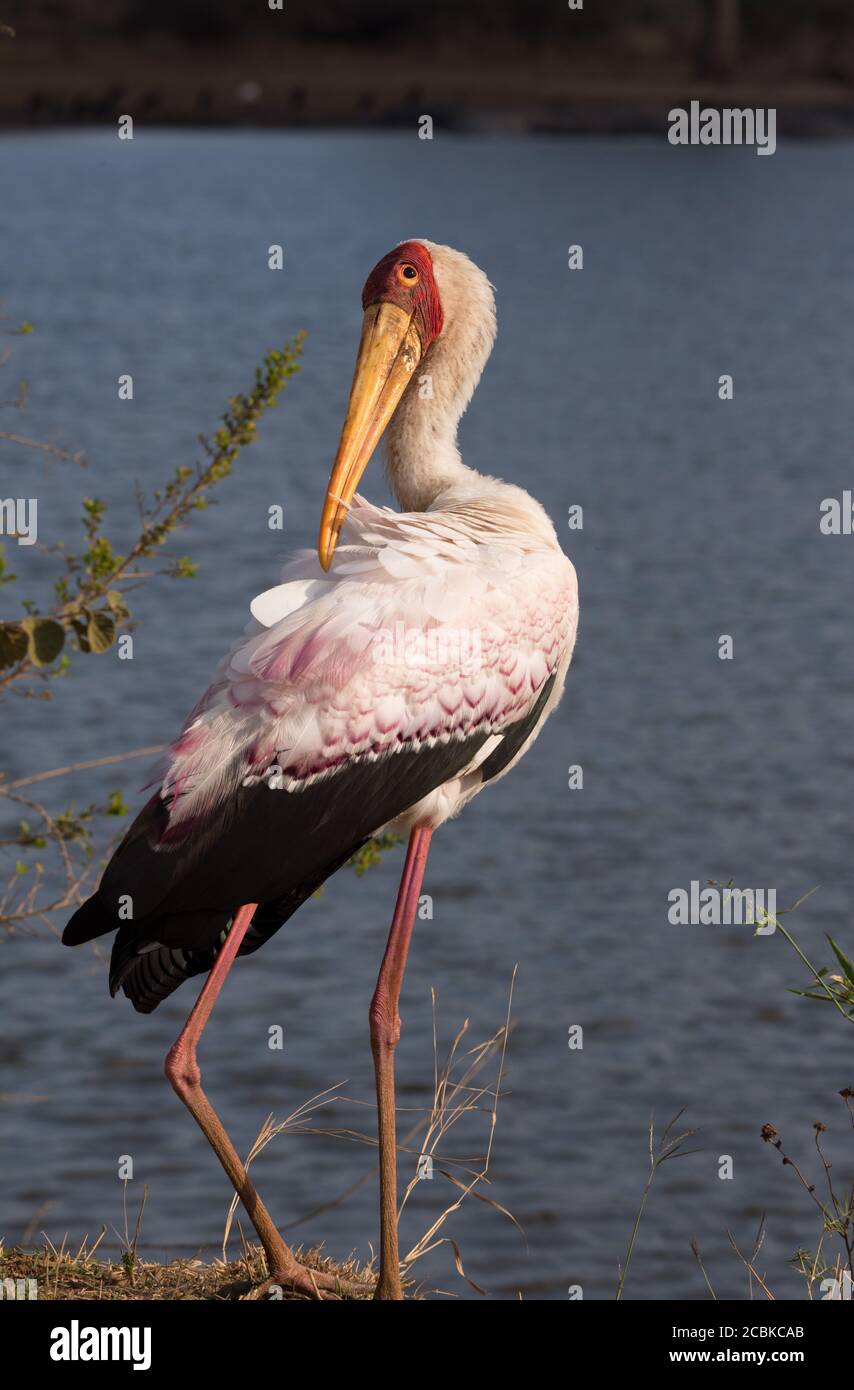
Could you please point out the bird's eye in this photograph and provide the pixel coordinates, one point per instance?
(407, 274)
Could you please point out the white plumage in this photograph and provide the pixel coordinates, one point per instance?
(421, 632)
(432, 624)
(384, 680)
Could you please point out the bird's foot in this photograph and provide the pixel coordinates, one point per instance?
(311, 1283)
(389, 1290)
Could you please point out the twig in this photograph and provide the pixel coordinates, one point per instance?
(79, 767)
(78, 456)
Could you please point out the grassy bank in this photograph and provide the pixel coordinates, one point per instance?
(63, 1274)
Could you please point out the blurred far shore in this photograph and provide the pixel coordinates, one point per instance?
(471, 65)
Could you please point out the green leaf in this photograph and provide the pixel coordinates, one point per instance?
(847, 967)
(372, 851)
(116, 804)
(13, 644)
(117, 604)
(45, 639)
(81, 628)
(101, 632)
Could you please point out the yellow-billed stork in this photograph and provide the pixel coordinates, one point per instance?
(385, 681)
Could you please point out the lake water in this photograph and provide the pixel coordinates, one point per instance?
(700, 519)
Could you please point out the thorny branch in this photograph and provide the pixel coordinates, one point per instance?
(47, 859)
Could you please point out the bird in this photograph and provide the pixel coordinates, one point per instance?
(398, 668)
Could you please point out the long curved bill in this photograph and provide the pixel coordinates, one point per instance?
(389, 352)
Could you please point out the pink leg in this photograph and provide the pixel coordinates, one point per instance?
(385, 1032)
(183, 1071)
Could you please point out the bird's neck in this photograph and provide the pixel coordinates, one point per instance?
(421, 453)
(422, 457)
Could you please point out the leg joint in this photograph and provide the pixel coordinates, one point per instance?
(384, 1021)
(182, 1069)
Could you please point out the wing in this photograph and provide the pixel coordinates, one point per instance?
(351, 697)
(419, 635)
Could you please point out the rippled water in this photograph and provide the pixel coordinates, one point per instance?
(700, 518)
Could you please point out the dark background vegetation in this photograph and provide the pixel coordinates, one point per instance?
(529, 64)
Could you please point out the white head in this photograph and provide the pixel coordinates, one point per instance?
(428, 329)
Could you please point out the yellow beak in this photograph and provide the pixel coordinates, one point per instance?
(389, 352)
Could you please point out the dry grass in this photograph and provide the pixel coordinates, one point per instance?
(455, 1097)
(67, 1274)
(459, 1094)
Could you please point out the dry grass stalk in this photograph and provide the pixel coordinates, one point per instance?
(455, 1095)
(61, 1274)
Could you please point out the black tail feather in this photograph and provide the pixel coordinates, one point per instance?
(89, 921)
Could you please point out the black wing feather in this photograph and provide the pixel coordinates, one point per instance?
(273, 847)
(265, 845)
(516, 735)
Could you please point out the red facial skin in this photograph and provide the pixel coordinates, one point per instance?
(387, 284)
